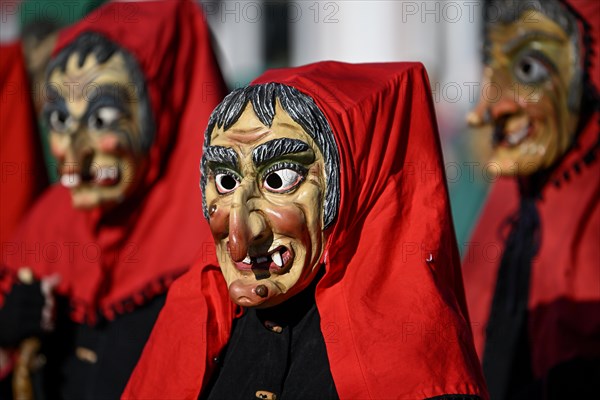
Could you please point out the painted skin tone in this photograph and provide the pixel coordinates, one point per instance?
(265, 201)
(532, 61)
(37, 55)
(95, 131)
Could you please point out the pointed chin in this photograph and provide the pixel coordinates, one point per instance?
(253, 294)
(96, 196)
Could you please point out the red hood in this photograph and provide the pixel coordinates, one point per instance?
(394, 324)
(588, 15)
(564, 296)
(113, 262)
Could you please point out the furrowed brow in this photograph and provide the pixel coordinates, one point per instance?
(117, 91)
(517, 42)
(53, 102)
(221, 155)
(54, 96)
(276, 148)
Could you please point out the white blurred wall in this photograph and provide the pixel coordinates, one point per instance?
(239, 33)
(363, 31)
(9, 22)
(443, 34)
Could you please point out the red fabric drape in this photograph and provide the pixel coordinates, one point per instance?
(111, 262)
(395, 325)
(23, 174)
(564, 294)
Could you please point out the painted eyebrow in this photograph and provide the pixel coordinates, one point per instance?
(221, 155)
(276, 148)
(54, 102)
(114, 90)
(54, 96)
(518, 41)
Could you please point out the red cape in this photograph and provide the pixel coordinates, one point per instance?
(394, 324)
(112, 262)
(564, 294)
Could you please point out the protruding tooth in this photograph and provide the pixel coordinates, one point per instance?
(277, 259)
(261, 260)
(70, 180)
(516, 137)
(106, 173)
(247, 260)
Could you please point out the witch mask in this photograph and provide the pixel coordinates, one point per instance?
(268, 191)
(99, 120)
(535, 82)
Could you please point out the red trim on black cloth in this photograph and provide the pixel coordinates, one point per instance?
(111, 262)
(115, 266)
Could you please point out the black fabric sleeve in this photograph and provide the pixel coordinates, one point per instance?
(578, 378)
(21, 315)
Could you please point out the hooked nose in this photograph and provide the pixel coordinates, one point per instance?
(247, 226)
(79, 150)
(504, 107)
(479, 115)
(487, 111)
(496, 100)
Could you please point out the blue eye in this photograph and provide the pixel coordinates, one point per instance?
(530, 70)
(226, 182)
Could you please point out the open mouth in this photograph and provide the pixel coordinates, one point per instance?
(277, 260)
(106, 176)
(99, 175)
(510, 132)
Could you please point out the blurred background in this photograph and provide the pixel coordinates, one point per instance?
(254, 35)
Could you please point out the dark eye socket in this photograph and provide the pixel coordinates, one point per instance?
(103, 118)
(226, 182)
(529, 69)
(96, 122)
(58, 120)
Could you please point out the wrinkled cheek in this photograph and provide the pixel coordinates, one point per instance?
(130, 171)
(109, 144)
(56, 148)
(289, 221)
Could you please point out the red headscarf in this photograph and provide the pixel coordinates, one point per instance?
(111, 262)
(394, 324)
(564, 293)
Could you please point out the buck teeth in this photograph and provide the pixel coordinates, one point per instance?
(515, 138)
(247, 260)
(276, 257)
(107, 173)
(70, 180)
